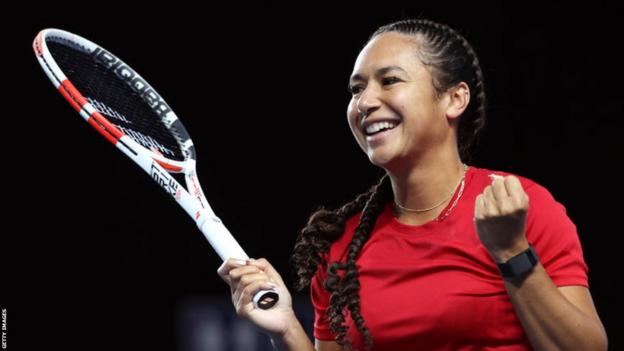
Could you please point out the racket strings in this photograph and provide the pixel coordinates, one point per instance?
(112, 97)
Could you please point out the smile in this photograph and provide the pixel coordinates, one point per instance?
(379, 127)
(377, 136)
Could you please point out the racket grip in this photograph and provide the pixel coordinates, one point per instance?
(221, 240)
(226, 246)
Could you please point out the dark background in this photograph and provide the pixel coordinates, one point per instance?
(95, 255)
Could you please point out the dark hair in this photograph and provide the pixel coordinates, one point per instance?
(451, 60)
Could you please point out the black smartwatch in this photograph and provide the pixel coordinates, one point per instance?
(519, 264)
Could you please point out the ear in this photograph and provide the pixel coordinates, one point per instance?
(458, 98)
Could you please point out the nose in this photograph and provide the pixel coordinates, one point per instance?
(368, 102)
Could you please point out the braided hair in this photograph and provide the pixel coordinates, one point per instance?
(451, 60)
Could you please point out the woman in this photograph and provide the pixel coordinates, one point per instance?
(438, 255)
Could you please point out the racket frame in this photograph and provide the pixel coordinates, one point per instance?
(159, 168)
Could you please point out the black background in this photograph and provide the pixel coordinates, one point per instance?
(94, 255)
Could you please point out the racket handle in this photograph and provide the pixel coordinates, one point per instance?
(221, 240)
(226, 246)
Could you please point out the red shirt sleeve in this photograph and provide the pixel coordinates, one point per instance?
(555, 238)
(320, 302)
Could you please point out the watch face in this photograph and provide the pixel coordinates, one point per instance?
(519, 264)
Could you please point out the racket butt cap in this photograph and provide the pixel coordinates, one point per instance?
(265, 299)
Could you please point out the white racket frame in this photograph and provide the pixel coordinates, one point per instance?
(156, 165)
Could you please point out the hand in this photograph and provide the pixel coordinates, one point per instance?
(500, 217)
(245, 278)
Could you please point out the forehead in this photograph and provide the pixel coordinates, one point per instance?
(388, 49)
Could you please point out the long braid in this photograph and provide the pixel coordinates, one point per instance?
(324, 227)
(469, 129)
(345, 291)
(451, 60)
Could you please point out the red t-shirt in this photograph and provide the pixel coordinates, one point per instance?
(435, 286)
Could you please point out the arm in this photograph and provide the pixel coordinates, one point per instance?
(553, 318)
(293, 339)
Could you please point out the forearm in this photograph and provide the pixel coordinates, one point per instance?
(294, 339)
(549, 320)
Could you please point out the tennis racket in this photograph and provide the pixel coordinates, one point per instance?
(129, 113)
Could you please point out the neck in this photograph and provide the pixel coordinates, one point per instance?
(428, 183)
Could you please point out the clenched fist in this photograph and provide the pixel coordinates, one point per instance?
(500, 217)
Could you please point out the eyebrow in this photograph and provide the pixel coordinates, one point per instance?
(380, 72)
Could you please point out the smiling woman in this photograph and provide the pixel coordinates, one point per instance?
(410, 100)
(439, 255)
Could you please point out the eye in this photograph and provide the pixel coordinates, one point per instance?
(389, 80)
(355, 89)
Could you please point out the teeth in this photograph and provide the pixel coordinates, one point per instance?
(375, 127)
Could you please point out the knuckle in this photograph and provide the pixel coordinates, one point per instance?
(235, 262)
(507, 208)
(224, 269)
(233, 275)
(244, 280)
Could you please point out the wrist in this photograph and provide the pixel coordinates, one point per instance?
(519, 265)
(290, 335)
(505, 255)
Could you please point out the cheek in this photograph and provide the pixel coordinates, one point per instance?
(352, 117)
(405, 101)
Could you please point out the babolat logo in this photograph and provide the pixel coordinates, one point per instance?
(132, 79)
(164, 180)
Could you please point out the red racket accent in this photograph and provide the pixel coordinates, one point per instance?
(168, 167)
(107, 129)
(37, 44)
(71, 94)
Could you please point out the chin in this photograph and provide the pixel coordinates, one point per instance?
(389, 160)
(380, 159)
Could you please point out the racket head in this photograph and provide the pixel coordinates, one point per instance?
(117, 101)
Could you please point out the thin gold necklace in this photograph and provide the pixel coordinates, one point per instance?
(461, 180)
